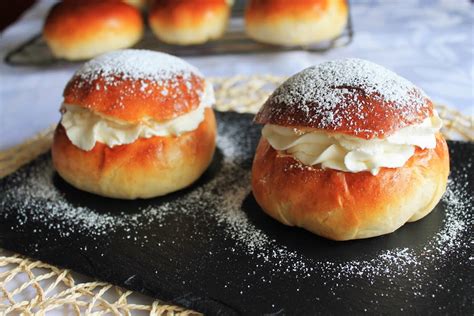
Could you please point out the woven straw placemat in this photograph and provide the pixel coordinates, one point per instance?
(49, 287)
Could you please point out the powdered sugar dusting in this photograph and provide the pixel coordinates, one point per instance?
(328, 82)
(343, 92)
(147, 83)
(136, 64)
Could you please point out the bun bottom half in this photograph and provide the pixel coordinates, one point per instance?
(146, 168)
(342, 205)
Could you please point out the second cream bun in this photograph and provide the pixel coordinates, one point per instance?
(188, 22)
(296, 22)
(134, 89)
(335, 107)
(77, 30)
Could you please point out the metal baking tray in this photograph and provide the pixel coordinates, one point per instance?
(35, 51)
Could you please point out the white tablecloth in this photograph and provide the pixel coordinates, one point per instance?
(428, 42)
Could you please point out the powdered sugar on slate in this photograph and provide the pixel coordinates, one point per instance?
(218, 203)
(136, 64)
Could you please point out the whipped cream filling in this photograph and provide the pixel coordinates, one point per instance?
(84, 127)
(352, 154)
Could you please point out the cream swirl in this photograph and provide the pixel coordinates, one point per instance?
(84, 127)
(352, 154)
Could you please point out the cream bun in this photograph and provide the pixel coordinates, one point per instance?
(135, 124)
(77, 30)
(188, 22)
(296, 22)
(349, 150)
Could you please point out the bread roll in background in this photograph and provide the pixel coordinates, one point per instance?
(349, 150)
(139, 4)
(295, 22)
(77, 30)
(135, 124)
(188, 22)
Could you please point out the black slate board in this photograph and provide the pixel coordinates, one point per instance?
(210, 248)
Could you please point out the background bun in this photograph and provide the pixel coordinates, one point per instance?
(343, 205)
(78, 30)
(133, 85)
(295, 22)
(186, 22)
(140, 4)
(350, 96)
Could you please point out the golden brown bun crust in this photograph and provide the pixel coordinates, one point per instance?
(186, 13)
(125, 100)
(381, 120)
(342, 205)
(186, 22)
(140, 4)
(349, 96)
(146, 168)
(275, 9)
(295, 22)
(84, 29)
